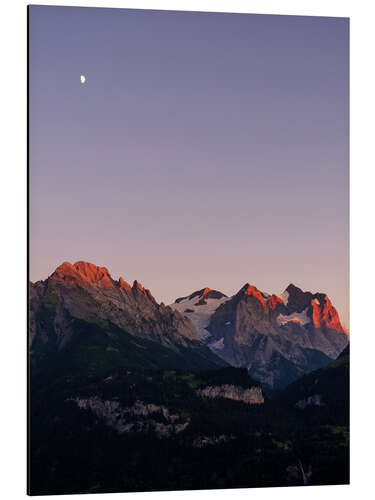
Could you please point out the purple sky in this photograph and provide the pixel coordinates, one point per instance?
(203, 150)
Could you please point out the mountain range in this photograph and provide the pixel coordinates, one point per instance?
(215, 386)
(278, 338)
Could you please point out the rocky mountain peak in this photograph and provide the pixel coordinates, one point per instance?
(83, 274)
(202, 295)
(208, 293)
(297, 299)
(139, 288)
(87, 293)
(291, 289)
(278, 337)
(252, 290)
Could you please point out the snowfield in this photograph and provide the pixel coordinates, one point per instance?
(201, 314)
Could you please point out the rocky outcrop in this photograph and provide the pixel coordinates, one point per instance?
(140, 417)
(203, 441)
(314, 400)
(252, 395)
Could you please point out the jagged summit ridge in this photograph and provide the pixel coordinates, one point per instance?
(83, 274)
(291, 303)
(291, 306)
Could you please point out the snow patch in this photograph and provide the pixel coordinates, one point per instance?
(201, 314)
(300, 318)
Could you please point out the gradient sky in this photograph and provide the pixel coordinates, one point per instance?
(203, 150)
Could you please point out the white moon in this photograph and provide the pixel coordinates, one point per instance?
(83, 78)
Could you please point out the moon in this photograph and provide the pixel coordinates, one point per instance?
(83, 78)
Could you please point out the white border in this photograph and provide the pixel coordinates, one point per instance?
(13, 241)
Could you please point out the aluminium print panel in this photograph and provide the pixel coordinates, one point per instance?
(188, 250)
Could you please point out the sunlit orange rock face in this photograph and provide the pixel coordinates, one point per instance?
(138, 287)
(95, 275)
(253, 290)
(84, 273)
(324, 314)
(124, 284)
(273, 302)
